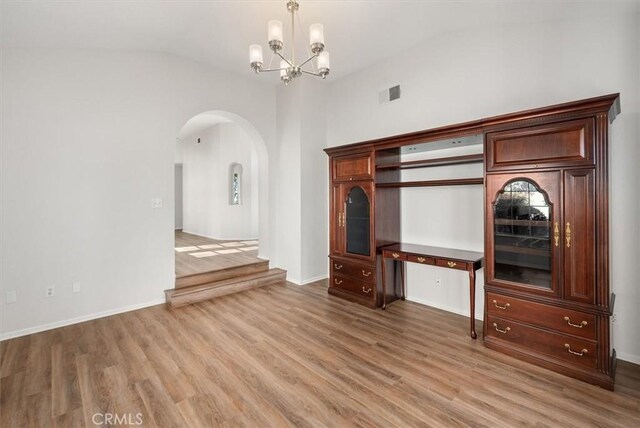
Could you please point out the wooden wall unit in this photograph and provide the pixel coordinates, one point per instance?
(547, 294)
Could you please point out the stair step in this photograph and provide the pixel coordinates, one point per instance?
(198, 293)
(222, 274)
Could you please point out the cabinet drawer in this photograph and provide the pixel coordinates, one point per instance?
(556, 144)
(559, 319)
(352, 167)
(421, 259)
(354, 270)
(395, 255)
(452, 264)
(576, 351)
(353, 286)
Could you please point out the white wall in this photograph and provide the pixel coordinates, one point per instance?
(469, 75)
(206, 207)
(177, 196)
(303, 175)
(88, 139)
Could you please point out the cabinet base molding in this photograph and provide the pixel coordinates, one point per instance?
(604, 380)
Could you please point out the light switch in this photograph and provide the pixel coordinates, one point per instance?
(75, 287)
(156, 203)
(11, 297)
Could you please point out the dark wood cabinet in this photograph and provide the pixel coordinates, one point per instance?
(363, 218)
(547, 294)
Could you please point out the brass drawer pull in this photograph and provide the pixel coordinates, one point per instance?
(451, 264)
(395, 255)
(505, 331)
(568, 234)
(366, 273)
(337, 281)
(579, 354)
(365, 290)
(582, 324)
(506, 305)
(337, 266)
(421, 259)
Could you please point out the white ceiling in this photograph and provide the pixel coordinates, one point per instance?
(357, 33)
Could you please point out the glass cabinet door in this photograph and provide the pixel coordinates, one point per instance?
(357, 222)
(524, 234)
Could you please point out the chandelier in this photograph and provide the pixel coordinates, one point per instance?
(289, 69)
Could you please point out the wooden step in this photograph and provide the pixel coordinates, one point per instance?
(222, 274)
(198, 293)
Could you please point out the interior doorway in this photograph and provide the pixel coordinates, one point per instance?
(220, 175)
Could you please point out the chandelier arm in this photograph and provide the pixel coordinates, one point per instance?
(309, 59)
(271, 69)
(284, 59)
(311, 73)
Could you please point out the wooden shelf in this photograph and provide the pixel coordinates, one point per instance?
(452, 160)
(429, 183)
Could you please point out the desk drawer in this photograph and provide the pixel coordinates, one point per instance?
(355, 270)
(559, 319)
(353, 286)
(452, 264)
(394, 255)
(421, 259)
(576, 351)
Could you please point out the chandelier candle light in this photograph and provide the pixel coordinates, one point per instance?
(288, 67)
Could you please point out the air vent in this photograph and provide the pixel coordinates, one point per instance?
(394, 93)
(389, 95)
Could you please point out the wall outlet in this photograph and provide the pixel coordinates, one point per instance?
(75, 288)
(614, 319)
(50, 291)
(438, 282)
(156, 203)
(11, 297)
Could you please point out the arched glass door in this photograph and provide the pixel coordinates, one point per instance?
(358, 221)
(522, 235)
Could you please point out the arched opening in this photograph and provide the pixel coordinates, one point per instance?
(221, 185)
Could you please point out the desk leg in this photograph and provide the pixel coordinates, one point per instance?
(472, 302)
(384, 285)
(403, 283)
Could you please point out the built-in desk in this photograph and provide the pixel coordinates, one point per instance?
(469, 261)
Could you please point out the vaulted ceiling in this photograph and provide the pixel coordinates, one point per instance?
(357, 33)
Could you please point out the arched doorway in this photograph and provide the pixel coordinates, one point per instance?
(224, 167)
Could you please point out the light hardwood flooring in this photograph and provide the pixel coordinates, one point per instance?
(286, 355)
(187, 264)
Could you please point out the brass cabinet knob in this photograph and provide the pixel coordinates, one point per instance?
(579, 354)
(421, 259)
(506, 305)
(395, 255)
(505, 331)
(582, 324)
(451, 264)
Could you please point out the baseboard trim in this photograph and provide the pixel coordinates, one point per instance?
(77, 320)
(444, 308)
(635, 359)
(219, 239)
(314, 279)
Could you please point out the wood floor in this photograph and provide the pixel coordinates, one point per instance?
(286, 355)
(187, 264)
